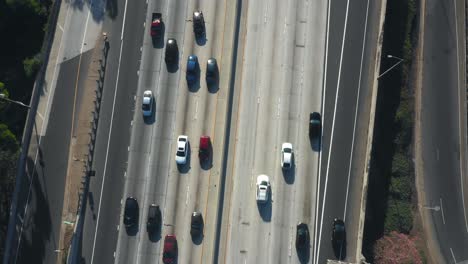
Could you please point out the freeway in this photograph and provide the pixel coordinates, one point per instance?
(349, 80)
(146, 169)
(279, 82)
(442, 152)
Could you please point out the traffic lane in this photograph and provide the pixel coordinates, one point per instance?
(337, 187)
(358, 165)
(440, 130)
(114, 151)
(113, 29)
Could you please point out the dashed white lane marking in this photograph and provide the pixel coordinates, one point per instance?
(442, 210)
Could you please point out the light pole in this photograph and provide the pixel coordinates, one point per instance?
(3, 96)
(400, 60)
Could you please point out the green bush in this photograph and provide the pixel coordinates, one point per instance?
(31, 66)
(399, 216)
(400, 188)
(400, 165)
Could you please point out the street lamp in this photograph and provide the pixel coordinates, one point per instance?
(3, 96)
(400, 60)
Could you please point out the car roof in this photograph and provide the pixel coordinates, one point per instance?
(261, 178)
(204, 141)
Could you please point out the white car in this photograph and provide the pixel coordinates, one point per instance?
(147, 103)
(181, 154)
(286, 155)
(263, 188)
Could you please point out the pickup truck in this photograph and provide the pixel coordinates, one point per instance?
(156, 25)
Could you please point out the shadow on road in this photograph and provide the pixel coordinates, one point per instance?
(265, 211)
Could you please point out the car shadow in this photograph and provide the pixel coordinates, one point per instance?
(289, 175)
(195, 86)
(197, 240)
(316, 143)
(149, 120)
(265, 210)
(303, 254)
(213, 87)
(173, 67)
(201, 41)
(340, 251)
(155, 236)
(184, 168)
(208, 163)
(133, 230)
(158, 42)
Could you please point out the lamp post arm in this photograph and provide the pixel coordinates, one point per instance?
(396, 64)
(15, 102)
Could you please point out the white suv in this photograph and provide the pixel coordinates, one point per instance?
(263, 188)
(286, 155)
(181, 154)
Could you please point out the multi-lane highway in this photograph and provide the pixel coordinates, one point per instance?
(278, 62)
(442, 131)
(279, 82)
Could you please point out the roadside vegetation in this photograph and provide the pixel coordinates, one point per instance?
(22, 27)
(392, 229)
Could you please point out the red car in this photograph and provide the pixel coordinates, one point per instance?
(205, 149)
(170, 249)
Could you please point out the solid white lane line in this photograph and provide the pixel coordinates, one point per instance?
(453, 256)
(123, 23)
(108, 140)
(332, 131)
(442, 210)
(356, 113)
(460, 119)
(317, 200)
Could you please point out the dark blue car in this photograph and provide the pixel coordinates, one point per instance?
(192, 69)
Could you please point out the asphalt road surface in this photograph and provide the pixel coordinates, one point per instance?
(279, 80)
(352, 43)
(144, 167)
(443, 127)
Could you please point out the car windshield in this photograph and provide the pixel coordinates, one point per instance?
(287, 150)
(146, 107)
(167, 254)
(180, 153)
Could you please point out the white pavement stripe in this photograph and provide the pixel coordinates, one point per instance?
(442, 210)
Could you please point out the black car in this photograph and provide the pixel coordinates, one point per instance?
(154, 218)
(198, 24)
(338, 233)
(172, 51)
(302, 236)
(192, 69)
(196, 225)
(211, 72)
(131, 212)
(315, 125)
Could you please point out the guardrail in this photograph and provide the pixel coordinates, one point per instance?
(74, 251)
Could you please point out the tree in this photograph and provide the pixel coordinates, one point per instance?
(397, 248)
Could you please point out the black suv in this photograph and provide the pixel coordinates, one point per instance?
(196, 225)
(338, 236)
(131, 212)
(302, 236)
(211, 73)
(154, 219)
(172, 51)
(315, 125)
(198, 24)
